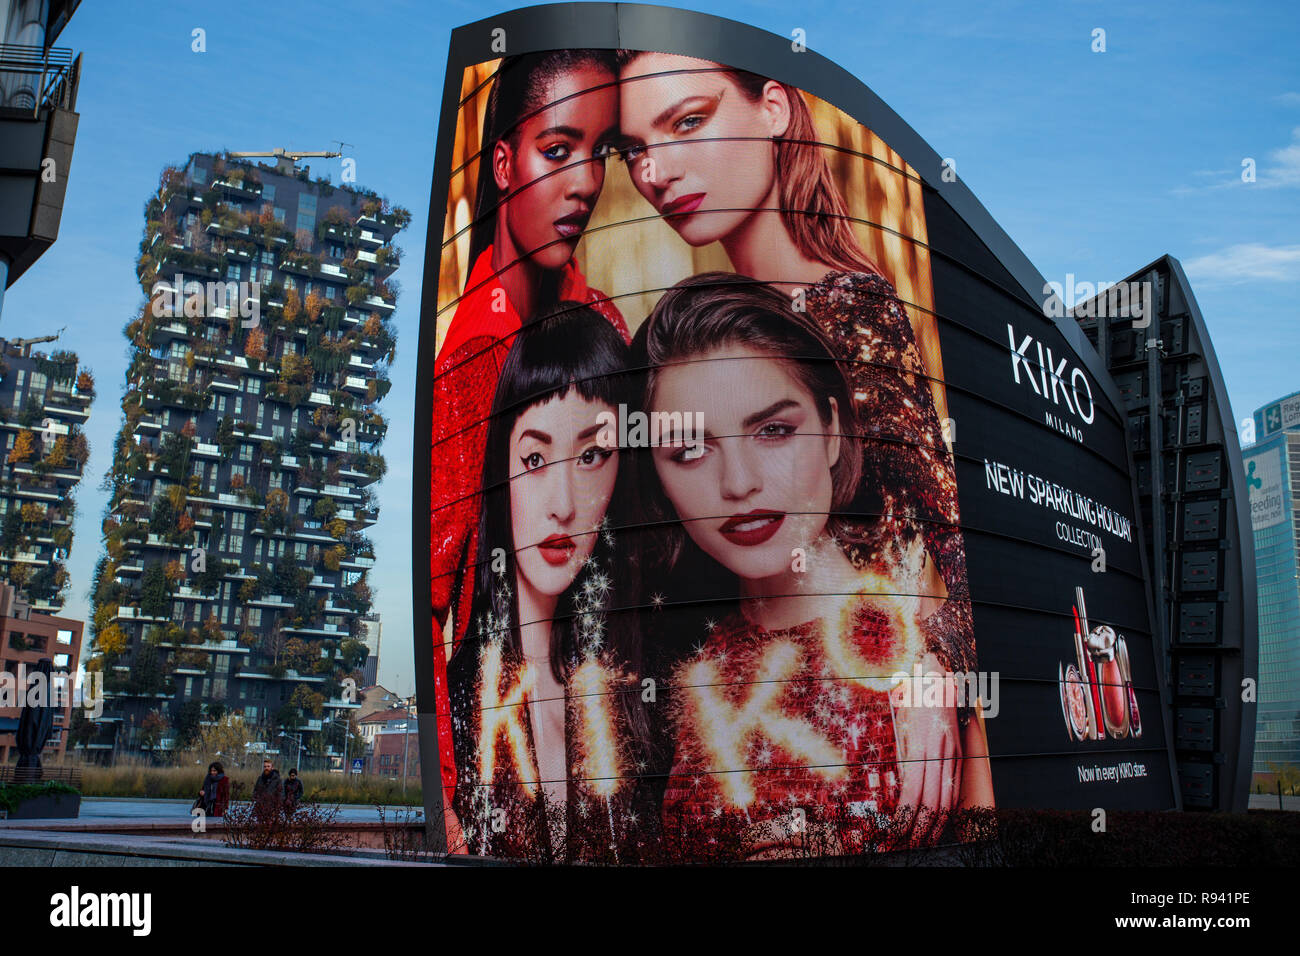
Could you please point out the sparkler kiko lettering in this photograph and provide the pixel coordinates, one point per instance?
(724, 729)
(598, 757)
(503, 716)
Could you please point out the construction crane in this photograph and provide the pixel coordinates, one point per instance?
(285, 158)
(23, 344)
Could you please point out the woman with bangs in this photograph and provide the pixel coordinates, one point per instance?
(548, 126)
(539, 713)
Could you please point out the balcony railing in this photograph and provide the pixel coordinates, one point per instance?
(34, 78)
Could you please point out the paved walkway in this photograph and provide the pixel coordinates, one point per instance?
(1268, 801)
(121, 810)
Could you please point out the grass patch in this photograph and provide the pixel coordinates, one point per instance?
(182, 783)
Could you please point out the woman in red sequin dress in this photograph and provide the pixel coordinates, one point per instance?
(731, 157)
(787, 706)
(548, 125)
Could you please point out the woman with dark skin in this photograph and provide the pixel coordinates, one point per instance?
(549, 123)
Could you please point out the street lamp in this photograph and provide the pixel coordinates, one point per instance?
(347, 733)
(406, 743)
(298, 739)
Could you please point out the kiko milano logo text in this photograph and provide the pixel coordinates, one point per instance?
(1048, 378)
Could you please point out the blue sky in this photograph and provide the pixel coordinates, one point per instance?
(1093, 163)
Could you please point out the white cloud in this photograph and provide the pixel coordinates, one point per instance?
(1284, 168)
(1281, 168)
(1246, 262)
(1288, 99)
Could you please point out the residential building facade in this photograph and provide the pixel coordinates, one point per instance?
(25, 639)
(235, 573)
(44, 404)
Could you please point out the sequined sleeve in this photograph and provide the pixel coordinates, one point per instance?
(904, 456)
(462, 400)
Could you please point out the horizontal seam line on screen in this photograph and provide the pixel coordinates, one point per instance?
(471, 568)
(1117, 420)
(678, 687)
(486, 216)
(668, 774)
(470, 639)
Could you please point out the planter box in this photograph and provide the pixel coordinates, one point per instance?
(48, 807)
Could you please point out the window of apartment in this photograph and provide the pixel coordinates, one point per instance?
(199, 175)
(253, 385)
(238, 406)
(261, 416)
(268, 192)
(330, 291)
(252, 273)
(233, 271)
(234, 543)
(268, 258)
(335, 250)
(300, 550)
(306, 211)
(239, 470)
(290, 283)
(277, 432)
(278, 213)
(254, 617)
(245, 451)
(219, 403)
(306, 288)
(237, 521)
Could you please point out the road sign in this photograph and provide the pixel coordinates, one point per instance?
(357, 764)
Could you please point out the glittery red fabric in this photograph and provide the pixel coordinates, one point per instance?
(465, 378)
(766, 723)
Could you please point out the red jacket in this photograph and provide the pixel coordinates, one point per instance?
(464, 383)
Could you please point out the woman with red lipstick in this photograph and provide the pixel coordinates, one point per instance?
(537, 717)
(731, 157)
(549, 121)
(772, 500)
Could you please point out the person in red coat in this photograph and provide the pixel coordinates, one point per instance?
(214, 795)
(550, 122)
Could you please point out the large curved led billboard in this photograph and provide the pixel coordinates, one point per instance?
(768, 504)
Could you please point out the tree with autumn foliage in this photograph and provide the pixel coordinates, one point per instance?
(24, 447)
(255, 345)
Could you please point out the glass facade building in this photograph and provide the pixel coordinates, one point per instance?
(1273, 480)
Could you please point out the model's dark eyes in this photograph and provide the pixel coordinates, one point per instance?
(631, 152)
(690, 453)
(603, 150)
(557, 153)
(595, 455)
(776, 430)
(533, 461)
